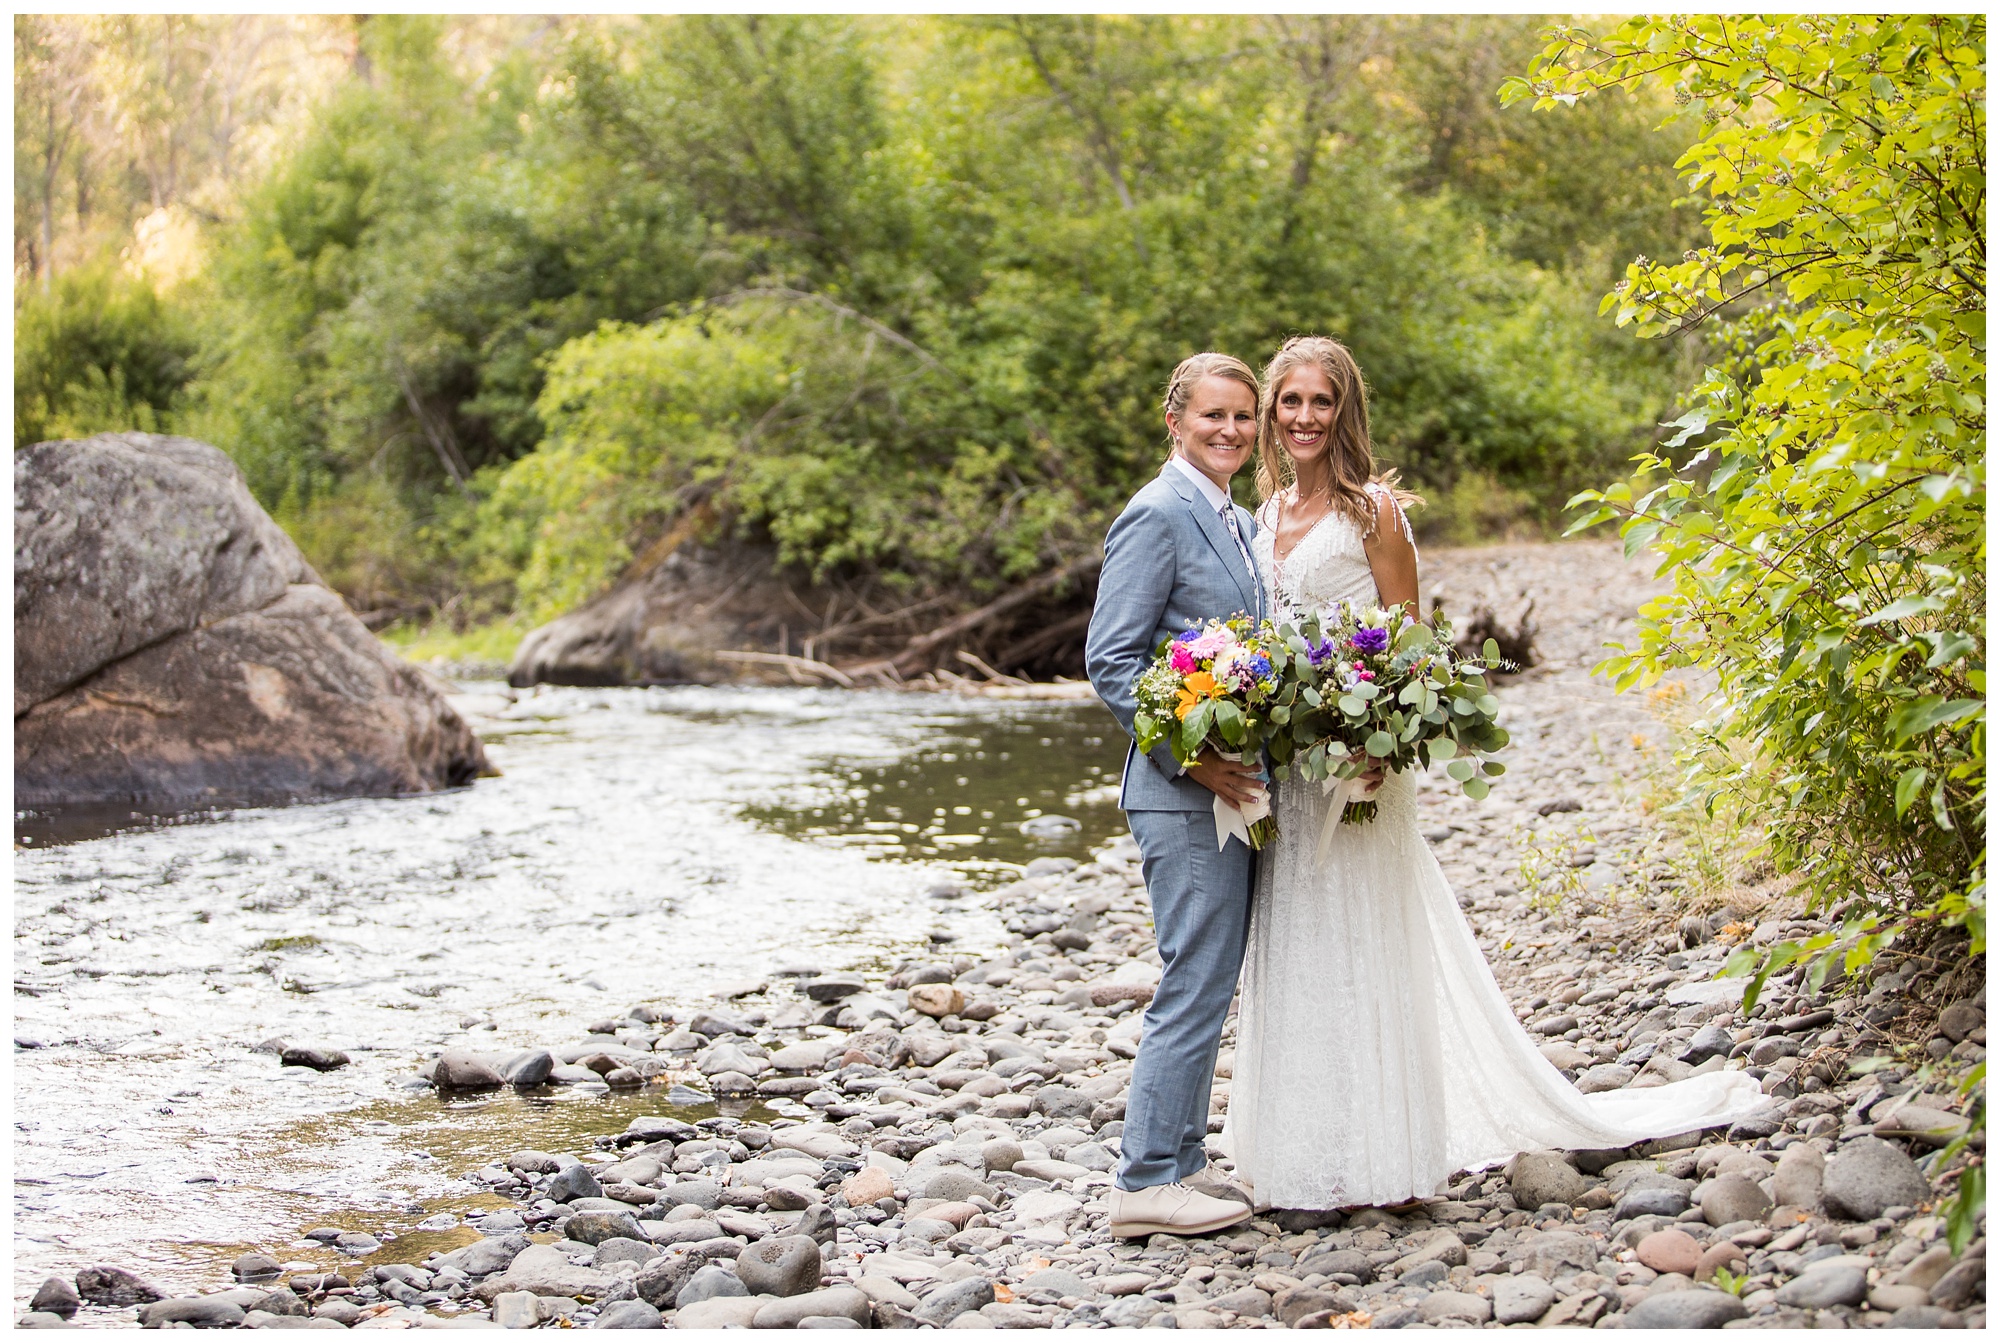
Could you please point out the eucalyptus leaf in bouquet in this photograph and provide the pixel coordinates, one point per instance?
(1382, 688)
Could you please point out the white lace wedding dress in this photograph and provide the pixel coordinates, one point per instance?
(1375, 1054)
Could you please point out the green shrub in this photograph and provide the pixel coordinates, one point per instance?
(371, 546)
(100, 351)
(1827, 542)
(782, 418)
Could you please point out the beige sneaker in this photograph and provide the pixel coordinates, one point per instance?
(1217, 1185)
(1173, 1209)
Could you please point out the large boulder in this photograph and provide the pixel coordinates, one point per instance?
(172, 645)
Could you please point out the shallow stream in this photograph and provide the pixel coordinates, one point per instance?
(641, 845)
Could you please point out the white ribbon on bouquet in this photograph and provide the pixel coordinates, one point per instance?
(1344, 790)
(1231, 819)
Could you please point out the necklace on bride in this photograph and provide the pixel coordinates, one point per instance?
(1290, 502)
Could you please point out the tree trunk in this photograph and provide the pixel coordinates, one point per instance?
(51, 164)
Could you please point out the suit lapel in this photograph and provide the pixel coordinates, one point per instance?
(1217, 534)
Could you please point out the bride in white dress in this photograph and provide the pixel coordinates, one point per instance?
(1375, 1053)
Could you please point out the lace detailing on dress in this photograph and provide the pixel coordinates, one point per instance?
(1326, 569)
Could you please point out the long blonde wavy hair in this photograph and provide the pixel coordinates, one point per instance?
(1349, 450)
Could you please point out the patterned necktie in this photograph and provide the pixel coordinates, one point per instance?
(1236, 535)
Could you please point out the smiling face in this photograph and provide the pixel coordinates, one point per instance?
(1303, 412)
(1217, 430)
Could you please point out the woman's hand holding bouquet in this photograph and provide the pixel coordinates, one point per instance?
(1211, 689)
(1375, 689)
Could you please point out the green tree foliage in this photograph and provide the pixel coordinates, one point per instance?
(1039, 217)
(98, 351)
(1827, 542)
(119, 116)
(1056, 211)
(812, 427)
(1020, 225)
(1591, 191)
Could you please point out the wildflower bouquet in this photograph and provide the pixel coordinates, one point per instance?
(1212, 688)
(1383, 688)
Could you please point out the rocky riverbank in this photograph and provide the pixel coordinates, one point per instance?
(928, 1145)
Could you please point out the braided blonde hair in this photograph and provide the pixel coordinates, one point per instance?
(1208, 364)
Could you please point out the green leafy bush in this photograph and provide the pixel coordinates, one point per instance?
(1827, 541)
(402, 286)
(99, 351)
(786, 417)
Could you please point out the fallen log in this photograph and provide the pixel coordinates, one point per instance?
(923, 650)
(1046, 640)
(979, 665)
(795, 667)
(828, 634)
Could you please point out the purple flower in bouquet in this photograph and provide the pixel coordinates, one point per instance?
(1369, 639)
(1317, 652)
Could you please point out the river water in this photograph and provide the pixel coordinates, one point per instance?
(640, 845)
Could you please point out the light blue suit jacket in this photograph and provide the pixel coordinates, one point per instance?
(1168, 563)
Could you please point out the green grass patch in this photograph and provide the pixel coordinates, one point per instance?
(300, 943)
(492, 643)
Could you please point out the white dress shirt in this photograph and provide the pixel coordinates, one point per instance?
(1218, 499)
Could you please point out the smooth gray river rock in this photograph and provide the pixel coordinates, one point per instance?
(56, 1296)
(1867, 1176)
(571, 1183)
(844, 1303)
(781, 1266)
(547, 1271)
(1825, 1285)
(628, 1315)
(1734, 1198)
(710, 1280)
(463, 1070)
(107, 1285)
(947, 1303)
(595, 1228)
(203, 1312)
(317, 1058)
(485, 1257)
(254, 1267)
(1544, 1177)
(1522, 1298)
(1685, 1310)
